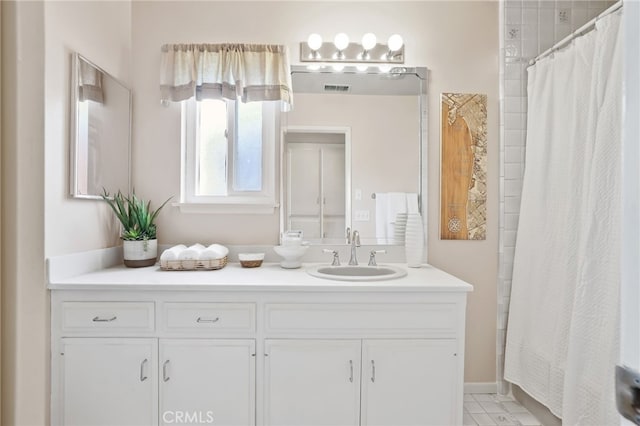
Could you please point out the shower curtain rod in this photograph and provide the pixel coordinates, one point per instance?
(577, 33)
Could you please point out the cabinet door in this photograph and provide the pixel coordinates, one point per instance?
(207, 381)
(109, 381)
(312, 382)
(409, 382)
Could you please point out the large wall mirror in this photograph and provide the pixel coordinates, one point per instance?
(100, 131)
(352, 153)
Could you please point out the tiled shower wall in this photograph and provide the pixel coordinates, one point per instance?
(528, 28)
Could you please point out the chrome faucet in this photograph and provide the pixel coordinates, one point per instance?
(336, 257)
(355, 242)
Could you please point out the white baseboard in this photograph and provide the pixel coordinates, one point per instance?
(481, 387)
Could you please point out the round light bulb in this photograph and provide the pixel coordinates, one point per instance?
(341, 41)
(395, 42)
(313, 67)
(362, 68)
(337, 67)
(314, 41)
(384, 68)
(369, 41)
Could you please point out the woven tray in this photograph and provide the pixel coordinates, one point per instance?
(193, 265)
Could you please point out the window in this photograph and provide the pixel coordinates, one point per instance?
(229, 154)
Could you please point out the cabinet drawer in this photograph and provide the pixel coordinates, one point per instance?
(106, 317)
(209, 317)
(380, 317)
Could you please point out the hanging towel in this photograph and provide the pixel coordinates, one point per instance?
(388, 206)
(396, 203)
(412, 203)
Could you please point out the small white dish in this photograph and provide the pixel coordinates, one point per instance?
(250, 260)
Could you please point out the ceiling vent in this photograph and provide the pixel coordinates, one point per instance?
(337, 88)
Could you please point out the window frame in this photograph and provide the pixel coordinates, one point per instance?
(258, 202)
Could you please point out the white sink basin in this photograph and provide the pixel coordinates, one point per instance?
(357, 273)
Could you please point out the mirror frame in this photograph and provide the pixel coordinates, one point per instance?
(73, 128)
(421, 73)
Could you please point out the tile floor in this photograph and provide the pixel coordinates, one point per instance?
(483, 409)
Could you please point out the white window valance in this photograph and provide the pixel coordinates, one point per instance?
(251, 72)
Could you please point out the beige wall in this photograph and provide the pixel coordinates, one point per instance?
(25, 313)
(457, 41)
(101, 32)
(37, 39)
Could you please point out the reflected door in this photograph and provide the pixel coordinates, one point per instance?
(316, 189)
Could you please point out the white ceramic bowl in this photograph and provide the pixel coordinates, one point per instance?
(291, 254)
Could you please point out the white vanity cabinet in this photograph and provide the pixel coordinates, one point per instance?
(211, 379)
(146, 361)
(409, 382)
(105, 381)
(301, 353)
(353, 382)
(312, 382)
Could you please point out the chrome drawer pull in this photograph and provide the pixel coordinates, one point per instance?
(98, 319)
(373, 371)
(201, 320)
(165, 374)
(351, 370)
(143, 376)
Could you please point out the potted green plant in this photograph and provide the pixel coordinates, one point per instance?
(140, 245)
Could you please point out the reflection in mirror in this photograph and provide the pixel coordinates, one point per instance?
(352, 153)
(100, 131)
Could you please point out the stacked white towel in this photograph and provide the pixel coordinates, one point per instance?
(194, 252)
(214, 252)
(191, 253)
(172, 253)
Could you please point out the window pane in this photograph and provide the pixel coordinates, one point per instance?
(212, 149)
(248, 149)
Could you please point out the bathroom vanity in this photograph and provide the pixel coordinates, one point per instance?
(263, 346)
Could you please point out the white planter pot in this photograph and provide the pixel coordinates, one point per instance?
(138, 254)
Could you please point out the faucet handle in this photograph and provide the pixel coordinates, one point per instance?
(372, 256)
(336, 256)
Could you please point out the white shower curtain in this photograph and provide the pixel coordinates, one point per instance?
(562, 335)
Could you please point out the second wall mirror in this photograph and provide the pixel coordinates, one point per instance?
(100, 131)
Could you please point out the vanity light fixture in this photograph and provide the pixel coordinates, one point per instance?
(314, 42)
(369, 41)
(341, 50)
(341, 42)
(395, 43)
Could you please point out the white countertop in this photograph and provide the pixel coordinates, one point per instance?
(268, 277)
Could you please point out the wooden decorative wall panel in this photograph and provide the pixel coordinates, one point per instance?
(463, 168)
